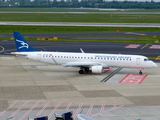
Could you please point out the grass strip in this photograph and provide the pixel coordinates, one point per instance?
(18, 9)
(93, 40)
(90, 17)
(68, 29)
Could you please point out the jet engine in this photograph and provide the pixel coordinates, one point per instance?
(97, 69)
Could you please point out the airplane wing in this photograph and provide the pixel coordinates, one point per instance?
(81, 64)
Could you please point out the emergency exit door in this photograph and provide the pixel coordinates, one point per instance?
(39, 57)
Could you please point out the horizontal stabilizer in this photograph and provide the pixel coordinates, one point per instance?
(18, 53)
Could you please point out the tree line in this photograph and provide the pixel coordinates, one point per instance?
(80, 4)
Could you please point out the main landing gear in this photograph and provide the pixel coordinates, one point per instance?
(84, 70)
(81, 71)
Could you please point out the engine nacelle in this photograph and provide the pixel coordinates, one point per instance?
(97, 69)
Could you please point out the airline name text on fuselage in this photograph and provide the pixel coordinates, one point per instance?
(119, 57)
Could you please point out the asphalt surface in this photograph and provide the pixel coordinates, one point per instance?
(30, 88)
(88, 47)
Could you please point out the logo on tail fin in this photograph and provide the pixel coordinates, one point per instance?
(24, 45)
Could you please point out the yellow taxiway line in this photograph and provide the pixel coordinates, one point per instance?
(135, 33)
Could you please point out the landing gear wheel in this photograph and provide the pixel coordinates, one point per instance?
(140, 72)
(81, 71)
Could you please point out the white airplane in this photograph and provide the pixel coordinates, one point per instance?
(87, 62)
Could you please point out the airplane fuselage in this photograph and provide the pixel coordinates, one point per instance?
(104, 60)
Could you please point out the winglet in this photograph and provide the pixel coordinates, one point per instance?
(21, 43)
(82, 50)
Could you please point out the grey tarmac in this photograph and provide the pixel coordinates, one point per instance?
(29, 88)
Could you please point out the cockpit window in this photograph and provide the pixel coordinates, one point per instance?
(146, 59)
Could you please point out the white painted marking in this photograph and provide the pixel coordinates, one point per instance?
(44, 107)
(77, 111)
(102, 108)
(52, 112)
(133, 78)
(132, 46)
(29, 110)
(90, 109)
(13, 114)
(9, 107)
(69, 105)
(154, 47)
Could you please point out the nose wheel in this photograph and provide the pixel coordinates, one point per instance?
(140, 72)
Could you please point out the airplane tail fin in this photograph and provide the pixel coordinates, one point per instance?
(21, 43)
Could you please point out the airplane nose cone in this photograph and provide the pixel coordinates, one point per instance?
(154, 65)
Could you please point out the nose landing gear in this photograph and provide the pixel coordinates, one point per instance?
(140, 72)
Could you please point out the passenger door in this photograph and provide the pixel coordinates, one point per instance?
(138, 61)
